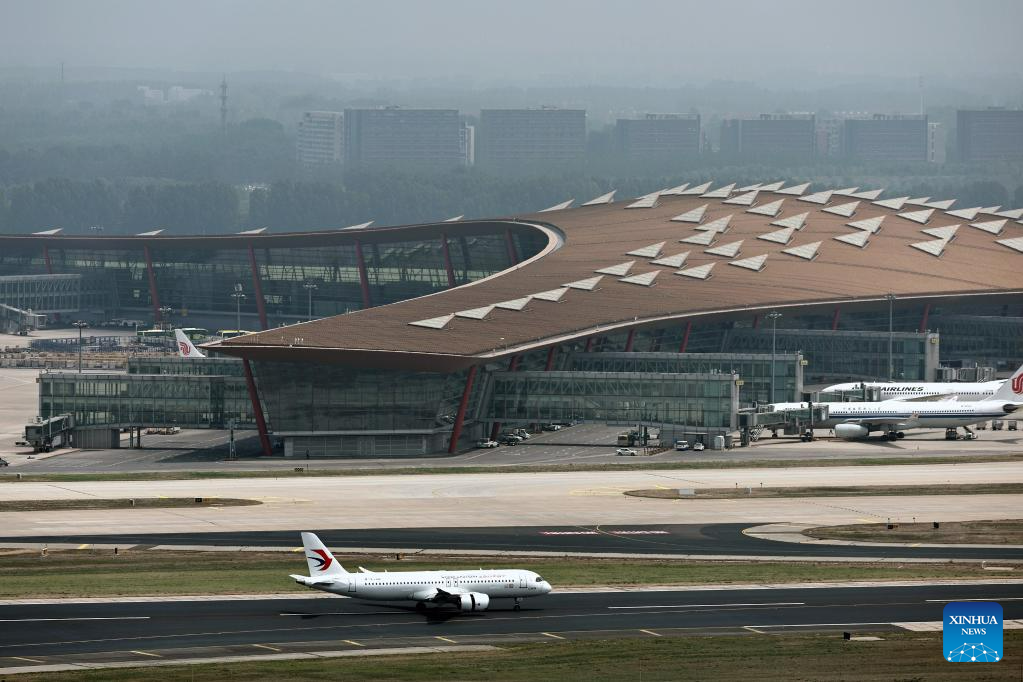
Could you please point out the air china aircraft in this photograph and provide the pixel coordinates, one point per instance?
(465, 590)
(185, 347)
(908, 390)
(893, 417)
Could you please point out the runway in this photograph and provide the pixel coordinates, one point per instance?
(143, 631)
(695, 540)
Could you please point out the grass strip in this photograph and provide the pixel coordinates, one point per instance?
(895, 656)
(303, 471)
(126, 503)
(952, 532)
(95, 573)
(828, 491)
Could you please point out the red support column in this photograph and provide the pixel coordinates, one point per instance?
(257, 409)
(367, 302)
(589, 345)
(513, 256)
(447, 259)
(756, 321)
(550, 358)
(923, 320)
(257, 288)
(456, 430)
(496, 429)
(153, 295)
(834, 318)
(628, 341)
(685, 337)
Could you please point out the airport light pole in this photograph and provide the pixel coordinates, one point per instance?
(310, 287)
(891, 334)
(773, 317)
(165, 311)
(80, 325)
(238, 295)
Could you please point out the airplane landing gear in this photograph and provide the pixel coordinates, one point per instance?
(901, 434)
(951, 434)
(420, 607)
(518, 604)
(892, 435)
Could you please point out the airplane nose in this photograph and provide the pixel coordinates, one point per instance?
(546, 587)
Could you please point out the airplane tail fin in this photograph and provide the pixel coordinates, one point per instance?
(321, 561)
(1012, 389)
(185, 347)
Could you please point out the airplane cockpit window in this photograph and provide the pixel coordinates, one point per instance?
(539, 579)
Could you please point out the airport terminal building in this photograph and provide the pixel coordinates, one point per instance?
(675, 310)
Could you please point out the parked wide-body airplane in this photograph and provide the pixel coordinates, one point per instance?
(911, 390)
(186, 349)
(893, 417)
(465, 590)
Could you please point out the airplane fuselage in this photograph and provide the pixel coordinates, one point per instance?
(418, 585)
(904, 390)
(946, 414)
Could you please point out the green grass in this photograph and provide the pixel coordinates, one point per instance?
(512, 469)
(897, 656)
(952, 532)
(89, 573)
(831, 491)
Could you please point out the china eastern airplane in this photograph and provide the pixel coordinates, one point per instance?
(465, 590)
(186, 349)
(893, 417)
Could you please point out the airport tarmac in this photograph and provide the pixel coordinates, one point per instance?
(513, 499)
(139, 632)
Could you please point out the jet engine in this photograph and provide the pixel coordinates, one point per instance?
(473, 601)
(848, 431)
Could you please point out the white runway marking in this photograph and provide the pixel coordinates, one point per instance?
(696, 606)
(48, 620)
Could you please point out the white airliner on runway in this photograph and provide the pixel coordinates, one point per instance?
(465, 590)
(186, 349)
(892, 417)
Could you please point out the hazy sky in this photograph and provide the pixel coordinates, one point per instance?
(643, 42)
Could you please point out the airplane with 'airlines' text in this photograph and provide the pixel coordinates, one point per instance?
(186, 349)
(915, 390)
(465, 590)
(891, 418)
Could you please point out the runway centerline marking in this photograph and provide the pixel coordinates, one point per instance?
(49, 620)
(811, 625)
(146, 653)
(445, 639)
(30, 660)
(352, 642)
(944, 601)
(693, 606)
(651, 632)
(267, 646)
(552, 635)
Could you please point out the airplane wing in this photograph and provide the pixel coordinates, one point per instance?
(882, 421)
(929, 398)
(438, 594)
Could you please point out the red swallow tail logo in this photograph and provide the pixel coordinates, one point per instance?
(323, 561)
(1017, 384)
(185, 350)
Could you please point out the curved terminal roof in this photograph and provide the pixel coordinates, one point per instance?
(676, 254)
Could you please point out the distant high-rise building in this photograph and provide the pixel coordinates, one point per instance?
(658, 137)
(989, 134)
(320, 138)
(405, 137)
(936, 141)
(531, 139)
(468, 140)
(884, 137)
(769, 137)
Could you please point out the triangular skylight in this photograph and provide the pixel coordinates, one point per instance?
(934, 247)
(1015, 243)
(771, 209)
(675, 191)
(894, 204)
(475, 313)
(771, 187)
(991, 210)
(869, 195)
(992, 226)
(699, 272)
(747, 199)
(258, 230)
(818, 198)
(151, 233)
(558, 207)
(652, 251)
(646, 279)
(720, 192)
(918, 216)
(645, 201)
(844, 210)
(729, 250)
(782, 236)
(716, 225)
(964, 213)
(847, 192)
(515, 303)
(804, 251)
(858, 238)
(58, 230)
(941, 205)
(551, 294)
(795, 190)
(588, 284)
(455, 219)
(363, 226)
(796, 221)
(434, 322)
(676, 261)
(750, 188)
(602, 199)
(693, 216)
(702, 239)
(619, 270)
(1014, 214)
(945, 232)
(754, 263)
(698, 190)
(871, 225)
(918, 201)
